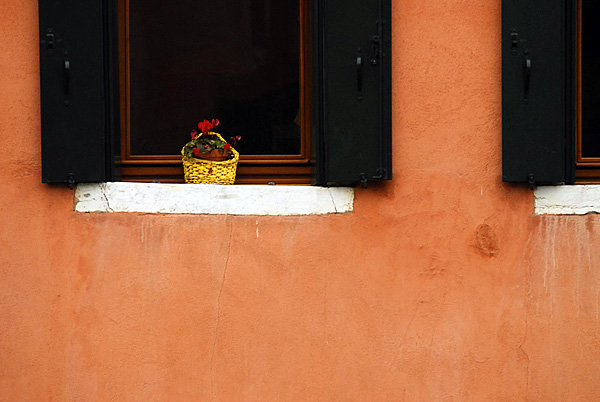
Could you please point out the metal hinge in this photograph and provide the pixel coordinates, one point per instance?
(380, 173)
(71, 180)
(363, 180)
(531, 181)
(514, 41)
(375, 49)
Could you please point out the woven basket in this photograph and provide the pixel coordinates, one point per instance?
(201, 171)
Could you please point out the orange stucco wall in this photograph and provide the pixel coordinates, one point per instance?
(440, 286)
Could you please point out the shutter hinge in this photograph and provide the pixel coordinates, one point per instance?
(514, 41)
(376, 48)
(380, 174)
(375, 52)
(71, 180)
(531, 181)
(363, 180)
(50, 41)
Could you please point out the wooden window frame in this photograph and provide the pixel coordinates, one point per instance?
(587, 169)
(252, 169)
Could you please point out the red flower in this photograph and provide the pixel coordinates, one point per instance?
(226, 147)
(196, 151)
(193, 134)
(215, 123)
(204, 126)
(206, 146)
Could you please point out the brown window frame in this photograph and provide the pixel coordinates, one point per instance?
(252, 169)
(587, 169)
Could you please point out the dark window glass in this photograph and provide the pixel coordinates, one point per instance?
(237, 61)
(590, 79)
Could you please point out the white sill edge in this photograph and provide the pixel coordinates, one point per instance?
(567, 200)
(212, 199)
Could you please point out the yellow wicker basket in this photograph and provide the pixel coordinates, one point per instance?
(201, 171)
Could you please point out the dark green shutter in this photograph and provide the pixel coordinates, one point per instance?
(351, 90)
(79, 103)
(537, 95)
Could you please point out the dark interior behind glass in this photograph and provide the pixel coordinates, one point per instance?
(590, 79)
(237, 61)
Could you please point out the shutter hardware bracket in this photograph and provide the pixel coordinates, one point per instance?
(375, 41)
(363, 180)
(514, 40)
(50, 41)
(71, 180)
(380, 173)
(531, 181)
(378, 176)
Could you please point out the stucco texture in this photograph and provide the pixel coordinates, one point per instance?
(441, 285)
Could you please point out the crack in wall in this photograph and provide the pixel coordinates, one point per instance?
(528, 293)
(216, 334)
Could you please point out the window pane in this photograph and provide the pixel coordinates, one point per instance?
(590, 78)
(237, 61)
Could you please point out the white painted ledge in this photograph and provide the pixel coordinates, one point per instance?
(212, 199)
(567, 200)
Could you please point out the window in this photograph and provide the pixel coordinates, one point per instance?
(346, 49)
(550, 70)
(588, 71)
(183, 62)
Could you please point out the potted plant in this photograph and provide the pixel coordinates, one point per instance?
(208, 158)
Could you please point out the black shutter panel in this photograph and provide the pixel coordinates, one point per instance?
(78, 106)
(537, 122)
(351, 98)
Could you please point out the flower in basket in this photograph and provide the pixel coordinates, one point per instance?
(206, 144)
(208, 158)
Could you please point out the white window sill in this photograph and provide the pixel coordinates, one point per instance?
(212, 199)
(567, 200)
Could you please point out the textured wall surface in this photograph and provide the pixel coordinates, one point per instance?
(441, 285)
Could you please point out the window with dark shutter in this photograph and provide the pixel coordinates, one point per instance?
(337, 97)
